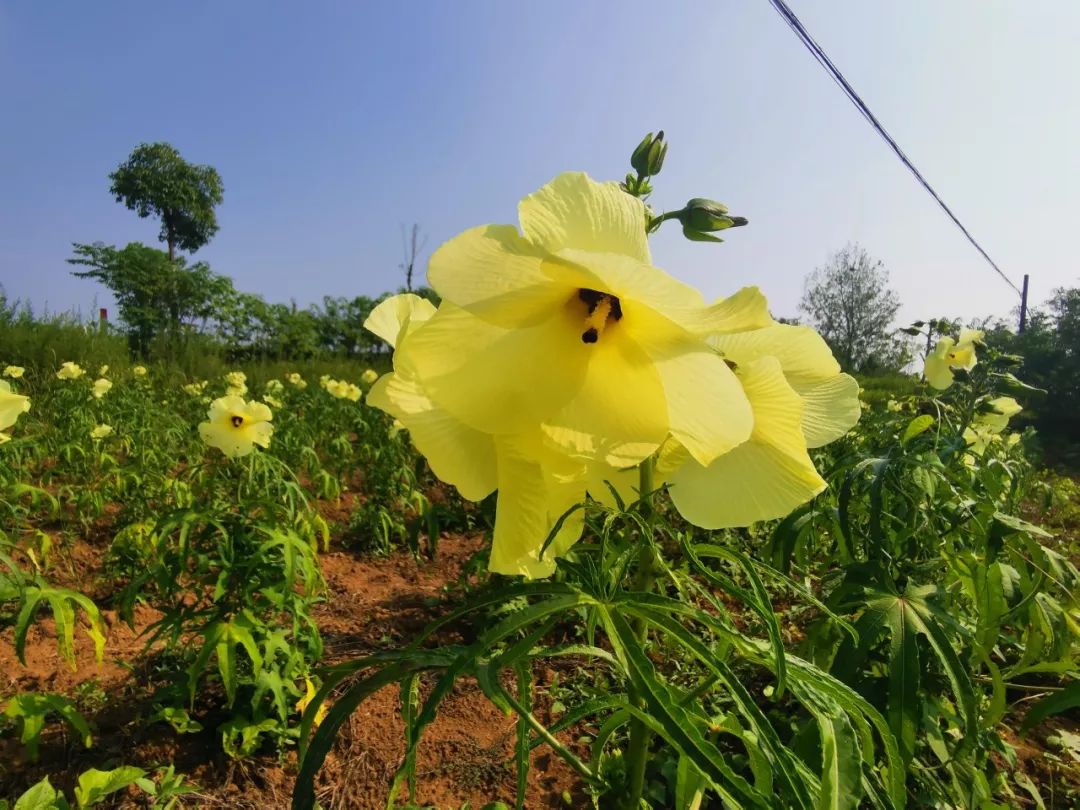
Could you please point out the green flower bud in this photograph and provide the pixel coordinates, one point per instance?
(706, 216)
(648, 158)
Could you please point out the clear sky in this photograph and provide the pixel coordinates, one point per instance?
(334, 124)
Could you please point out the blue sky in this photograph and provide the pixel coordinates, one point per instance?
(334, 124)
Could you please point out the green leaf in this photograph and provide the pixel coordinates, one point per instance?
(917, 426)
(42, 796)
(1058, 702)
(95, 785)
(841, 774)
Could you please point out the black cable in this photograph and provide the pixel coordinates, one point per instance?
(823, 59)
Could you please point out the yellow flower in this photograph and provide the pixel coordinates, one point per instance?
(70, 371)
(12, 406)
(139, 371)
(1001, 410)
(195, 389)
(275, 386)
(569, 325)
(273, 403)
(369, 376)
(951, 354)
(235, 426)
(309, 694)
(15, 372)
(103, 371)
(892, 406)
(295, 379)
(324, 379)
(101, 388)
(101, 432)
(236, 378)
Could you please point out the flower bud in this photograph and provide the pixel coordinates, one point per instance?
(648, 158)
(701, 217)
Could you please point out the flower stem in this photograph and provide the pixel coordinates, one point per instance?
(644, 577)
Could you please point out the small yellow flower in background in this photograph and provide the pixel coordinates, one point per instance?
(275, 387)
(103, 371)
(325, 380)
(236, 390)
(195, 389)
(273, 403)
(12, 406)
(236, 378)
(892, 406)
(294, 378)
(139, 371)
(101, 432)
(70, 371)
(15, 372)
(369, 376)
(343, 390)
(234, 426)
(101, 388)
(951, 354)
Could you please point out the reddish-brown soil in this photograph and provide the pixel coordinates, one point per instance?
(466, 755)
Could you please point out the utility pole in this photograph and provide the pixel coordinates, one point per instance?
(1023, 305)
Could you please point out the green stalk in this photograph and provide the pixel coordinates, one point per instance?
(644, 578)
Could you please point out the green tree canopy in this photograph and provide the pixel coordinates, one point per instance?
(849, 302)
(156, 181)
(155, 294)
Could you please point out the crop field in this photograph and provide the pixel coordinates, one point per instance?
(564, 535)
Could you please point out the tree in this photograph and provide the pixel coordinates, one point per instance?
(849, 302)
(155, 294)
(156, 181)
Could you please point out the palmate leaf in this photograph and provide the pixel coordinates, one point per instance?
(674, 723)
(63, 603)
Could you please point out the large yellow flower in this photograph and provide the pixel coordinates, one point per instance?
(536, 484)
(12, 406)
(70, 371)
(951, 354)
(235, 426)
(567, 324)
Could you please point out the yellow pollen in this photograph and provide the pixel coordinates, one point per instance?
(597, 319)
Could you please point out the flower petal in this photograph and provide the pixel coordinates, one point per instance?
(457, 454)
(707, 411)
(389, 317)
(496, 380)
(531, 501)
(764, 478)
(803, 354)
(574, 211)
(831, 408)
(498, 275)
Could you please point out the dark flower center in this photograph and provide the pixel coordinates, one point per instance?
(237, 421)
(603, 307)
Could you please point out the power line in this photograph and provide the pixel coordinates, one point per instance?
(823, 59)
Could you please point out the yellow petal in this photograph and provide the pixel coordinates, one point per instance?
(457, 454)
(764, 478)
(574, 211)
(531, 501)
(707, 411)
(746, 310)
(620, 398)
(496, 380)
(498, 275)
(936, 367)
(831, 408)
(631, 280)
(389, 317)
(803, 354)
(970, 336)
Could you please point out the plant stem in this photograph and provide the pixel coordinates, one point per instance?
(644, 577)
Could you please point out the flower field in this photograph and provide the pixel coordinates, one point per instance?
(587, 539)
